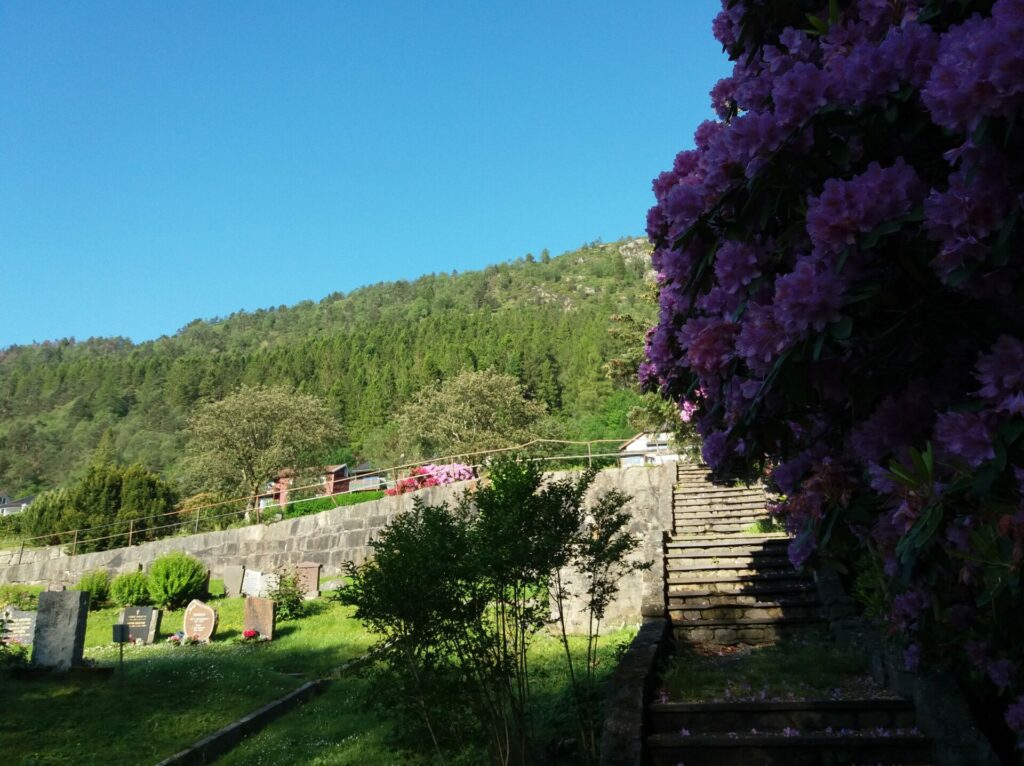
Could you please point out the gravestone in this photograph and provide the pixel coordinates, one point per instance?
(308, 575)
(261, 616)
(200, 621)
(252, 583)
(60, 629)
(271, 582)
(143, 623)
(233, 576)
(19, 626)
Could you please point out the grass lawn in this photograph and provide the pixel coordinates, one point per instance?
(343, 727)
(167, 697)
(810, 667)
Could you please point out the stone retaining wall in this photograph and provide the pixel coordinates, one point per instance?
(334, 537)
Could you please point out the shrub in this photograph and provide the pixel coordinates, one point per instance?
(24, 597)
(176, 579)
(130, 589)
(97, 585)
(289, 599)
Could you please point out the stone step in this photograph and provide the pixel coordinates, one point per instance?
(737, 546)
(728, 552)
(767, 610)
(740, 632)
(715, 509)
(683, 582)
(778, 750)
(767, 538)
(685, 563)
(766, 589)
(685, 496)
(714, 526)
(676, 571)
(776, 596)
(807, 715)
(720, 516)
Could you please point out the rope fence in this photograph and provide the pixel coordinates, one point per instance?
(248, 509)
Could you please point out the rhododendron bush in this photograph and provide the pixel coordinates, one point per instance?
(841, 303)
(431, 476)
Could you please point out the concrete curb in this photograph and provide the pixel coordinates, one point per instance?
(210, 748)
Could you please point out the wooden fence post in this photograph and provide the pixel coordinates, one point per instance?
(198, 513)
(131, 531)
(74, 544)
(590, 459)
(21, 551)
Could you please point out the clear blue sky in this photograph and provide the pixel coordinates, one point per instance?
(163, 161)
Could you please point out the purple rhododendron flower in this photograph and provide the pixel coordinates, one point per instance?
(1001, 373)
(965, 435)
(807, 298)
(715, 448)
(1015, 715)
(1001, 672)
(912, 657)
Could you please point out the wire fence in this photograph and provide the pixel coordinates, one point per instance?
(248, 509)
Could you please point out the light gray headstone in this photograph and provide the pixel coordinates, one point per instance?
(60, 629)
(252, 583)
(270, 584)
(233, 577)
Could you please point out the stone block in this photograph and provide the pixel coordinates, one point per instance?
(60, 629)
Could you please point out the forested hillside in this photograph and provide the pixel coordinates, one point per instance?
(544, 320)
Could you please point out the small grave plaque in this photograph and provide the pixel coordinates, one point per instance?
(143, 623)
(271, 582)
(19, 626)
(252, 582)
(60, 629)
(308, 575)
(200, 621)
(233, 576)
(260, 615)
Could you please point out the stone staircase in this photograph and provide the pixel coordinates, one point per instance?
(725, 586)
(729, 588)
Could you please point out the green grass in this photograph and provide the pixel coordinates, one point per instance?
(763, 527)
(319, 504)
(812, 667)
(167, 697)
(343, 727)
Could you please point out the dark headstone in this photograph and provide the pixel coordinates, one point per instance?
(200, 621)
(252, 583)
(308, 575)
(233, 576)
(19, 626)
(260, 615)
(143, 623)
(60, 629)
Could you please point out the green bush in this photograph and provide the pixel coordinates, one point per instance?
(290, 601)
(176, 579)
(97, 585)
(130, 589)
(24, 597)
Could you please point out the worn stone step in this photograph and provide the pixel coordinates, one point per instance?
(692, 581)
(738, 548)
(807, 715)
(684, 563)
(719, 514)
(775, 596)
(717, 613)
(740, 632)
(805, 750)
(722, 494)
(677, 570)
(714, 526)
(766, 538)
(767, 589)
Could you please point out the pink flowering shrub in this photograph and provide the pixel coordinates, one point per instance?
(431, 476)
(842, 303)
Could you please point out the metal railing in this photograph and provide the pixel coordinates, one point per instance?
(247, 508)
